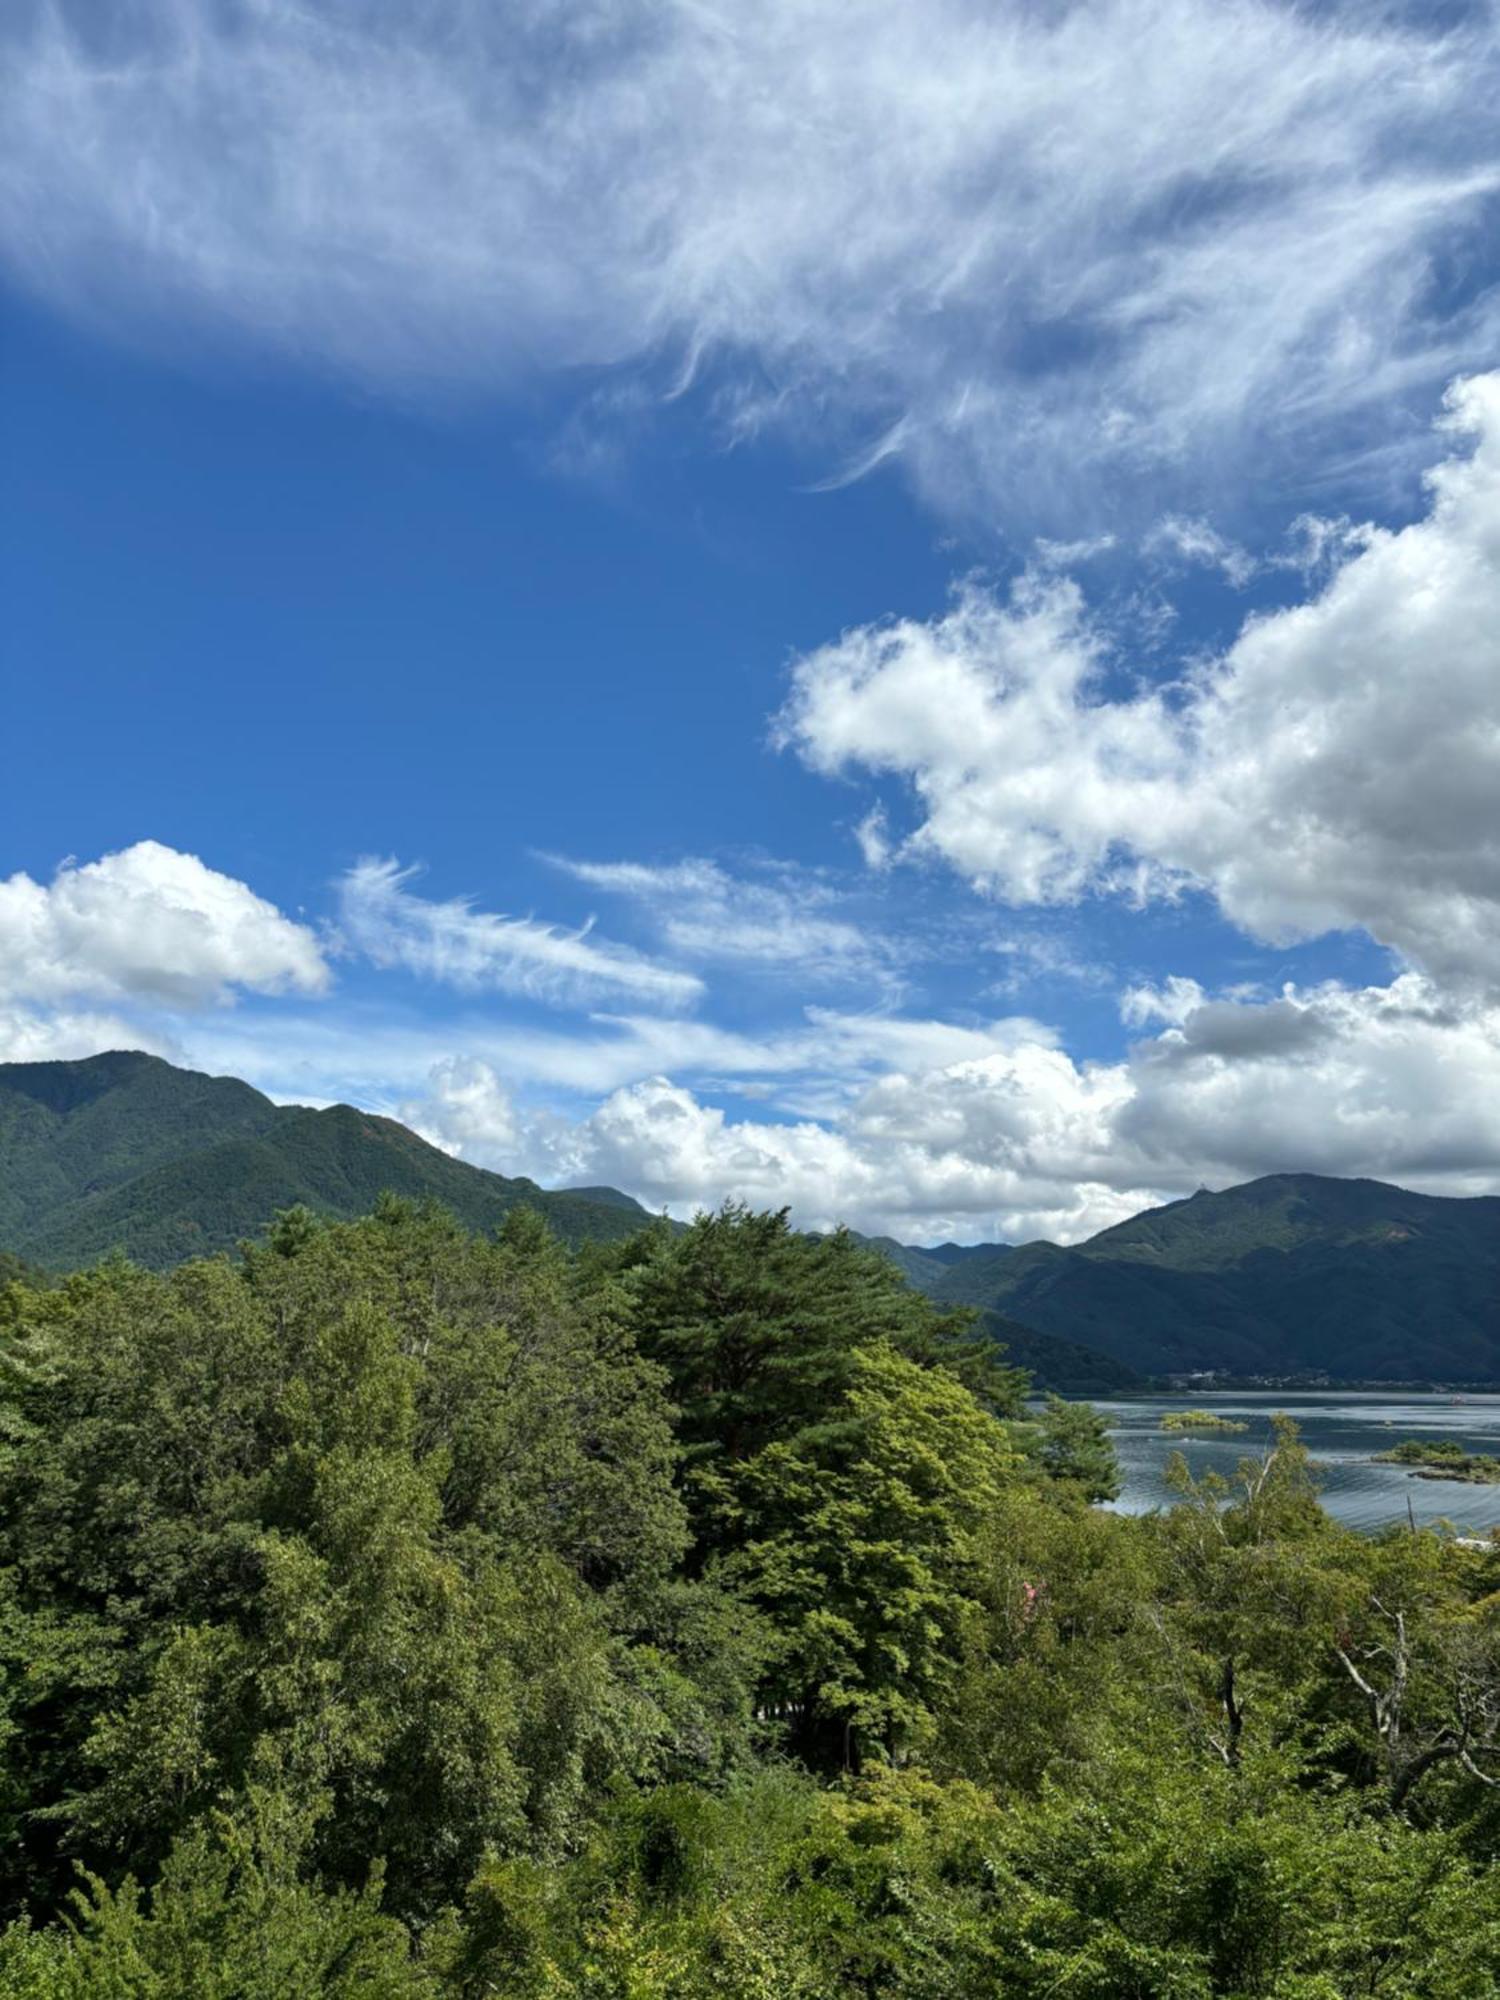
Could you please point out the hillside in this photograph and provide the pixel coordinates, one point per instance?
(124, 1151)
(1291, 1273)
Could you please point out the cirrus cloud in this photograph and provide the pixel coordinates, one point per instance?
(452, 941)
(1017, 246)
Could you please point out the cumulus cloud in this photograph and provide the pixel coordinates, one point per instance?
(148, 924)
(1337, 768)
(452, 941)
(1019, 1139)
(1017, 246)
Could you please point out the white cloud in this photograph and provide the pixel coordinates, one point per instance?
(1394, 1082)
(32, 1034)
(873, 838)
(1198, 541)
(468, 1111)
(148, 924)
(371, 1055)
(454, 942)
(1019, 246)
(779, 919)
(1337, 768)
(1173, 1001)
(1032, 957)
(1021, 1140)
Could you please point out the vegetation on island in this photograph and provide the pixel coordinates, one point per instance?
(1443, 1461)
(399, 1612)
(1201, 1420)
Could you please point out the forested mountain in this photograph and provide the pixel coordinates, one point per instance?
(1290, 1273)
(124, 1151)
(394, 1613)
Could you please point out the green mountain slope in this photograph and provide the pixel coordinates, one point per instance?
(1294, 1272)
(124, 1151)
(1053, 1360)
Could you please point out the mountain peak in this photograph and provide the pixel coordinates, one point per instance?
(124, 1150)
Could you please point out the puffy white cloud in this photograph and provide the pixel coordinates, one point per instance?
(1394, 1082)
(1020, 1140)
(895, 1161)
(1338, 767)
(453, 941)
(468, 1111)
(149, 924)
(1013, 244)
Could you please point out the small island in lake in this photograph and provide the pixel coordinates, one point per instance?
(1443, 1461)
(1199, 1420)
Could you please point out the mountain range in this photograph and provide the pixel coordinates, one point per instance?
(1291, 1274)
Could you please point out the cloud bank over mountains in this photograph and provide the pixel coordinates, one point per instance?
(1039, 253)
(1026, 1141)
(920, 1127)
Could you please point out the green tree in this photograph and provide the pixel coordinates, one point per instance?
(755, 1323)
(858, 1539)
(1074, 1446)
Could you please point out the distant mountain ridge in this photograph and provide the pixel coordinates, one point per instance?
(1286, 1275)
(125, 1151)
(1289, 1274)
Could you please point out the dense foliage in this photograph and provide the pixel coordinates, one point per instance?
(126, 1152)
(398, 1612)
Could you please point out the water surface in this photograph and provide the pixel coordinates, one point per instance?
(1343, 1430)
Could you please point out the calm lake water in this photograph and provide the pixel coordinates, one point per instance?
(1343, 1432)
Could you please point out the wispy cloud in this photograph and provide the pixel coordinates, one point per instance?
(1031, 251)
(1197, 541)
(383, 918)
(776, 919)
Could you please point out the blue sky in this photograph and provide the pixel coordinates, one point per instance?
(904, 623)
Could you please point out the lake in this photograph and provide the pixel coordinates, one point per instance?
(1343, 1430)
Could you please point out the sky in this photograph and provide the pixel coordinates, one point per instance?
(888, 610)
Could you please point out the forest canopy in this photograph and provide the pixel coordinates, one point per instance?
(398, 1611)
